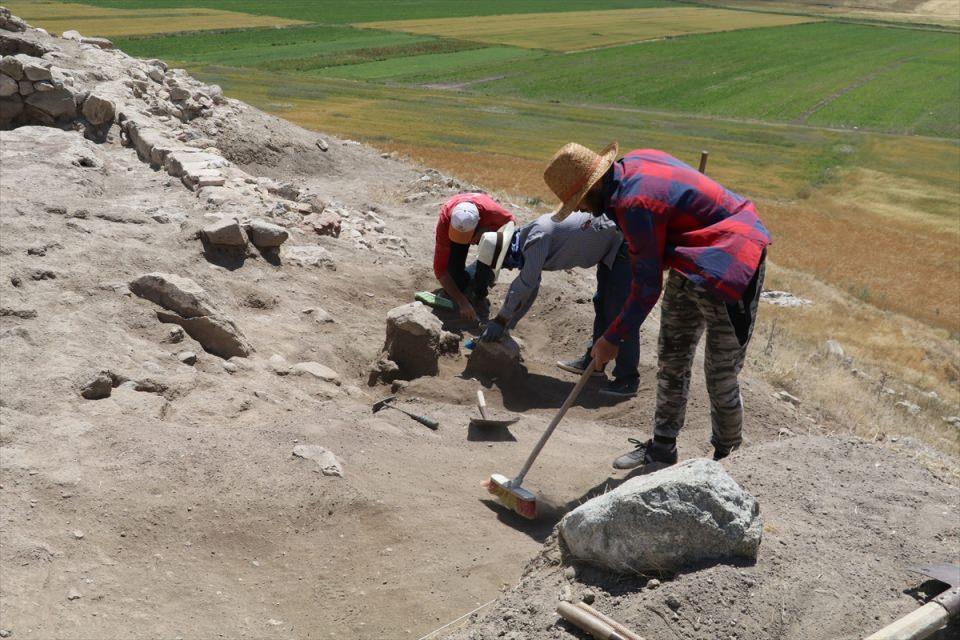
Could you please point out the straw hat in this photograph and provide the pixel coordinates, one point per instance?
(494, 245)
(573, 171)
(463, 222)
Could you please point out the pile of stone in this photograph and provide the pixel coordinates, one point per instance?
(33, 91)
(229, 233)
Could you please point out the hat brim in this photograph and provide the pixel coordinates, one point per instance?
(506, 233)
(607, 158)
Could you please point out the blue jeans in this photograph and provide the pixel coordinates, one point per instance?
(613, 287)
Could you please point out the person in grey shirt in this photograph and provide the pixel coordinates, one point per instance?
(581, 240)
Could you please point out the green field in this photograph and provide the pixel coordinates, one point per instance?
(350, 11)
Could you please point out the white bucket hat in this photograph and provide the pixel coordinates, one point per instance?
(494, 245)
(463, 222)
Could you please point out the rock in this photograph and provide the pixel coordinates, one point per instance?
(71, 34)
(449, 343)
(98, 386)
(783, 299)
(192, 309)
(10, 22)
(58, 103)
(323, 224)
(278, 364)
(265, 235)
(73, 594)
(322, 144)
(319, 315)
(34, 68)
(101, 43)
(78, 534)
(187, 357)
(673, 602)
(11, 66)
(787, 397)
(653, 583)
(10, 107)
(26, 87)
(495, 359)
(413, 340)
(309, 256)
(5, 633)
(588, 596)
(691, 514)
(8, 86)
(225, 232)
(329, 465)
(909, 407)
(952, 420)
(285, 190)
(312, 200)
(317, 370)
(98, 110)
(174, 335)
(784, 432)
(834, 349)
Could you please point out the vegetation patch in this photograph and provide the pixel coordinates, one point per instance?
(571, 31)
(58, 17)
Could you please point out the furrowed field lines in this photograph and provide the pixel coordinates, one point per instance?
(99, 21)
(571, 31)
(766, 74)
(346, 12)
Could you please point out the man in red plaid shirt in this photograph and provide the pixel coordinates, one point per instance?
(674, 217)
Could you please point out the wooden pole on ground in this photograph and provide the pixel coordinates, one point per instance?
(703, 161)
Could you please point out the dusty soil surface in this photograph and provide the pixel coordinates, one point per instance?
(182, 513)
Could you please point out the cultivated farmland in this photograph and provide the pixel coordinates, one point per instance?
(572, 31)
(107, 22)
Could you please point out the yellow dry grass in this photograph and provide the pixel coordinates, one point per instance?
(578, 30)
(58, 17)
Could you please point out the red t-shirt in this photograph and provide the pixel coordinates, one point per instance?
(492, 217)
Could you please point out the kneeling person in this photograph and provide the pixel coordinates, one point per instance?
(578, 241)
(463, 219)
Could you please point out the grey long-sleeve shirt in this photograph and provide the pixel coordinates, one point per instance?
(579, 241)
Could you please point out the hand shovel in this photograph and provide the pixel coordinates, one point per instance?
(485, 421)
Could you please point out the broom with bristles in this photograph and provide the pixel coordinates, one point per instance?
(509, 492)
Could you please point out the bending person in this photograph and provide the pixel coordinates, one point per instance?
(462, 220)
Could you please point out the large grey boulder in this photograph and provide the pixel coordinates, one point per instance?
(188, 305)
(413, 340)
(8, 86)
(34, 68)
(684, 516)
(57, 102)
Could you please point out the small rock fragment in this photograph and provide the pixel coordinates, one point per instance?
(787, 397)
(317, 370)
(187, 357)
(73, 594)
(265, 235)
(329, 465)
(99, 386)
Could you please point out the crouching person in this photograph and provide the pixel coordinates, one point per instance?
(462, 220)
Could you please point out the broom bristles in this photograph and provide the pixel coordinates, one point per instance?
(524, 505)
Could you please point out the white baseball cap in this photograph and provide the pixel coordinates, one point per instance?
(463, 221)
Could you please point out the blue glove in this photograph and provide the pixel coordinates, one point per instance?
(493, 332)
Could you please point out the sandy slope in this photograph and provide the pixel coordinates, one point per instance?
(183, 514)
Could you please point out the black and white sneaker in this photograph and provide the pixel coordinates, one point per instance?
(621, 388)
(579, 365)
(649, 454)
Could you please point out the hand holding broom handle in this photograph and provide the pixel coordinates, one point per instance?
(581, 383)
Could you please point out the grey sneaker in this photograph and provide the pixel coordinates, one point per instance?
(578, 365)
(647, 454)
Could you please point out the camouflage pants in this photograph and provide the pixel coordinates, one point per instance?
(686, 311)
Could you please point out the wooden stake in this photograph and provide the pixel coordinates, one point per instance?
(482, 404)
(703, 161)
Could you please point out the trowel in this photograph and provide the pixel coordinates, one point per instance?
(485, 421)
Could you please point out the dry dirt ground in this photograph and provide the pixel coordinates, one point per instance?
(183, 513)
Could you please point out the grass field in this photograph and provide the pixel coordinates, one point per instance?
(572, 31)
(766, 74)
(341, 12)
(107, 22)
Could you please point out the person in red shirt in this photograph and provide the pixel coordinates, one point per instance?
(463, 219)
